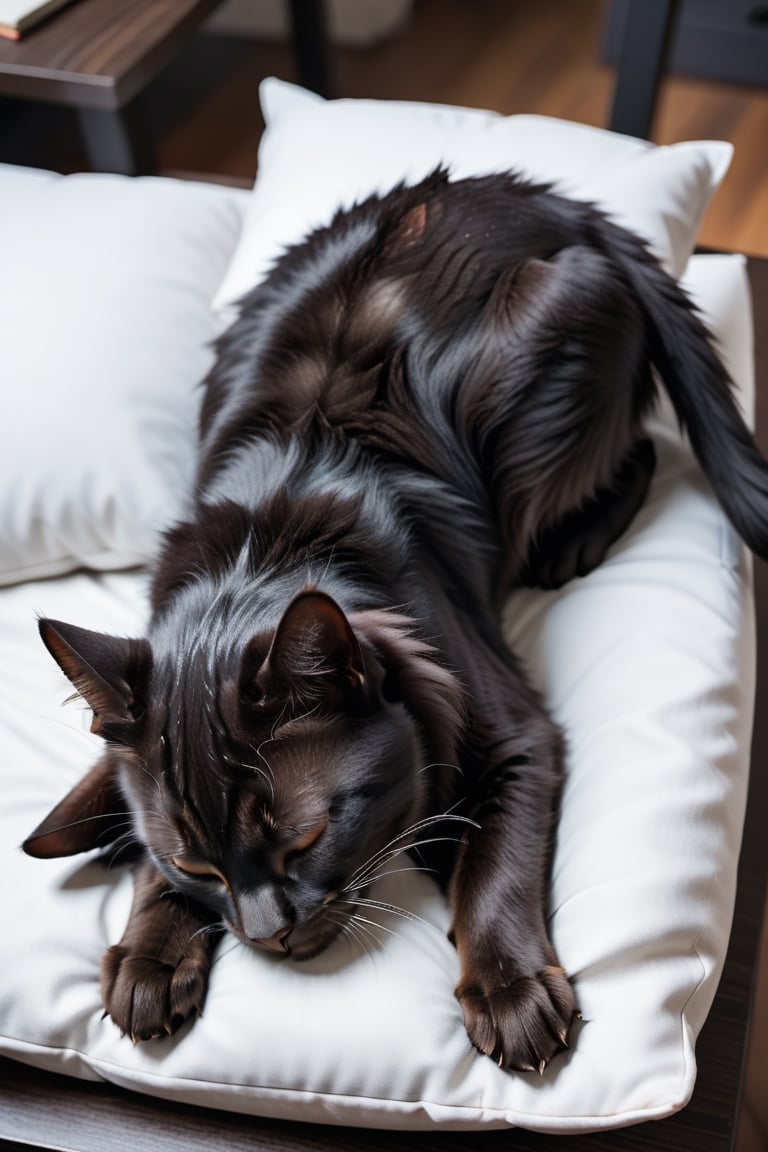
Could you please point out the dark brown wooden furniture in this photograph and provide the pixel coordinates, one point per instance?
(723, 40)
(44, 1111)
(97, 56)
(645, 42)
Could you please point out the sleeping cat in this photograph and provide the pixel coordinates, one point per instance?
(434, 399)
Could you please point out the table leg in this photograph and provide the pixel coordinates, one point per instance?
(116, 140)
(311, 45)
(644, 44)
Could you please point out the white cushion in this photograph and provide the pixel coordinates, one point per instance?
(105, 321)
(649, 665)
(316, 155)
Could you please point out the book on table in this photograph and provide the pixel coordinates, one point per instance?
(18, 16)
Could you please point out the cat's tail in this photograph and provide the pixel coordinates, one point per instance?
(699, 387)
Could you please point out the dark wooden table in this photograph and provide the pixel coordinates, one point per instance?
(43, 1111)
(97, 56)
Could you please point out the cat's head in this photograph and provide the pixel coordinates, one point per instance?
(271, 779)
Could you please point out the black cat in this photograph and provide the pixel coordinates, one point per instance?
(439, 396)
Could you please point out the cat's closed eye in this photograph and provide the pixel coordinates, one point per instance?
(199, 869)
(298, 846)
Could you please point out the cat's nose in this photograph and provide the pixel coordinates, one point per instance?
(276, 943)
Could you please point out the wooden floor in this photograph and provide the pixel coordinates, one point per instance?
(526, 56)
(510, 55)
(536, 56)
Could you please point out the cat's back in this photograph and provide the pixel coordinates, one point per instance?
(341, 337)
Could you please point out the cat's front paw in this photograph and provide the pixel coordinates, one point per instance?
(151, 996)
(520, 1024)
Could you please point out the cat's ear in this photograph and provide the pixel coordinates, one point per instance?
(315, 657)
(91, 815)
(108, 672)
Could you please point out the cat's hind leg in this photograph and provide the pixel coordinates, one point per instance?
(552, 404)
(157, 976)
(578, 543)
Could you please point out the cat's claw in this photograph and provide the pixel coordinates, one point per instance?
(150, 997)
(521, 1024)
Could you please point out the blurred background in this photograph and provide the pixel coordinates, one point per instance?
(553, 57)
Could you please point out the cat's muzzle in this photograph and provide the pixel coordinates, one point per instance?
(310, 937)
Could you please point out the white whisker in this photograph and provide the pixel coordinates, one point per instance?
(235, 943)
(70, 727)
(87, 819)
(365, 934)
(440, 764)
(395, 871)
(419, 826)
(355, 933)
(361, 878)
(358, 919)
(395, 909)
(254, 768)
(129, 840)
(208, 929)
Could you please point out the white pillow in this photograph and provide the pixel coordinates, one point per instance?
(105, 321)
(316, 155)
(648, 663)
